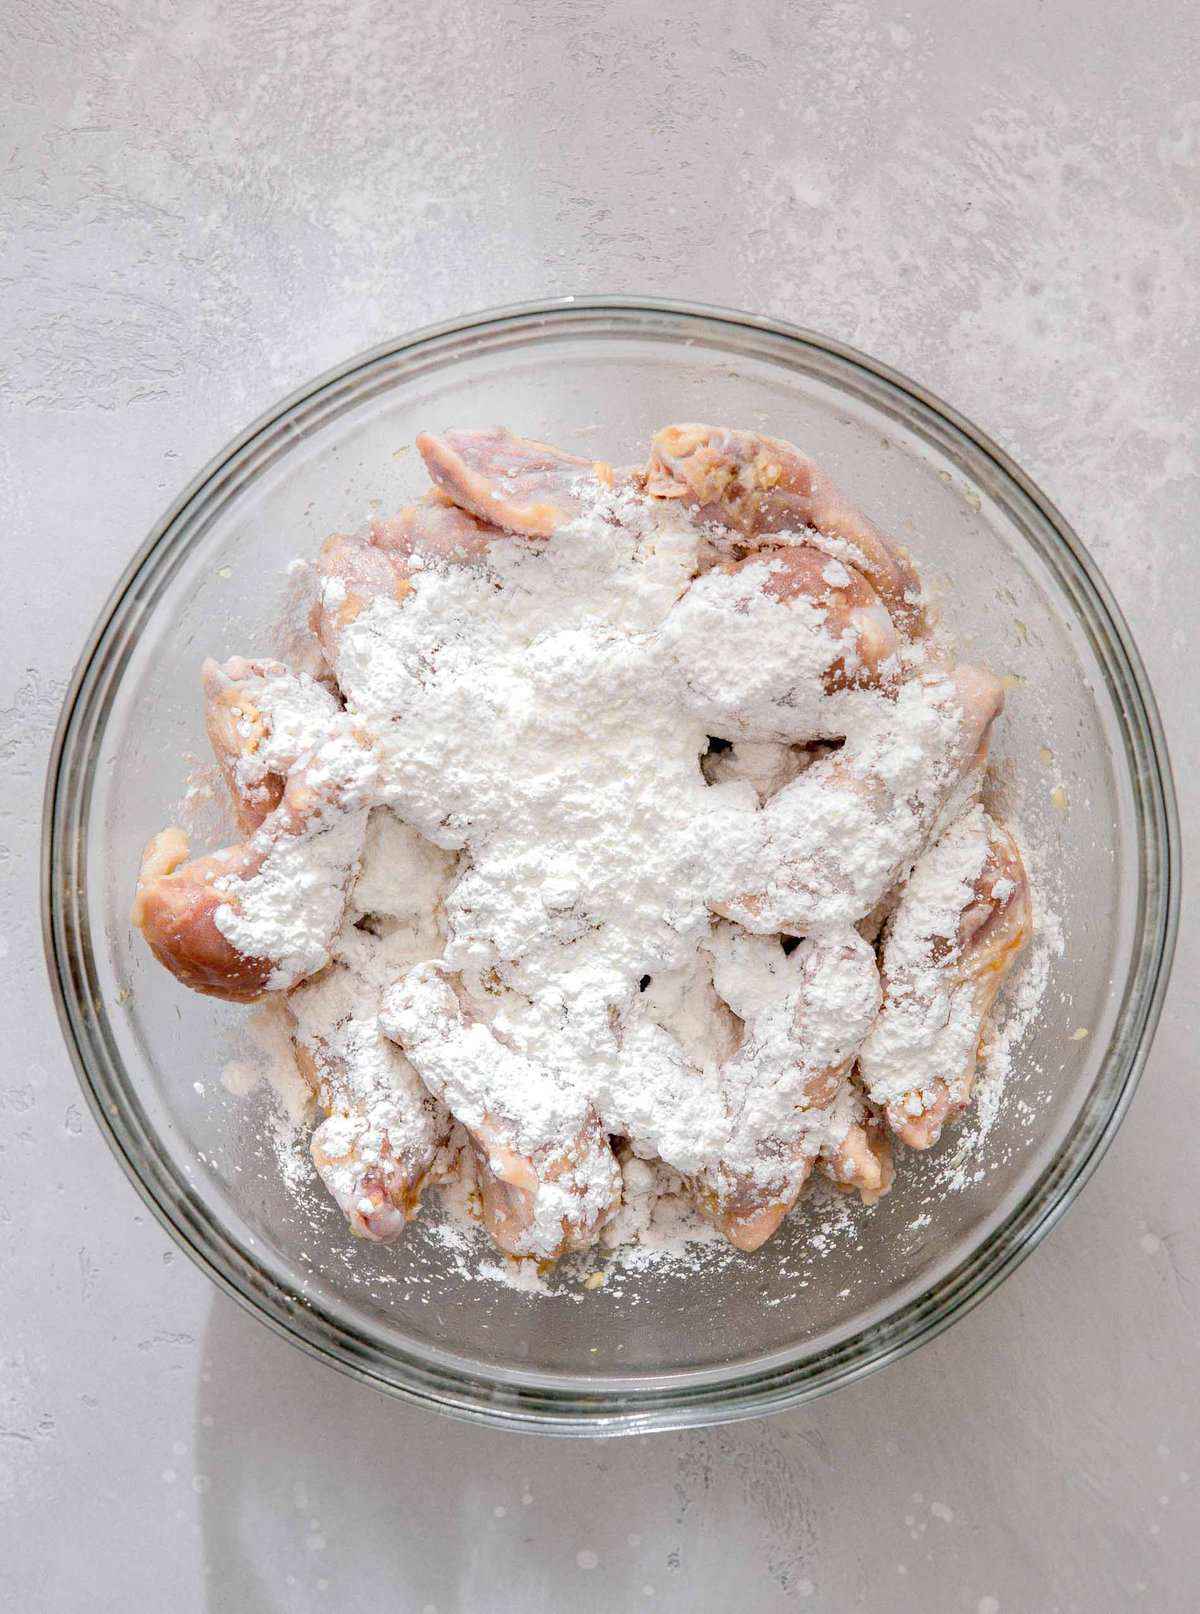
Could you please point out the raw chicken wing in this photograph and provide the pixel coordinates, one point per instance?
(547, 1174)
(755, 485)
(860, 1162)
(963, 918)
(513, 482)
(354, 570)
(758, 644)
(383, 1128)
(199, 916)
(785, 1085)
(826, 848)
(747, 1135)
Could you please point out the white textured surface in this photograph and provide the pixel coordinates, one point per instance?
(204, 205)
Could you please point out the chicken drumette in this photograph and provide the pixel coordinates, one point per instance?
(756, 486)
(963, 918)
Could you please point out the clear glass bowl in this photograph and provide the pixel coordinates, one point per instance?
(659, 1349)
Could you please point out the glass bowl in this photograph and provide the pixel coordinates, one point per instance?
(659, 1348)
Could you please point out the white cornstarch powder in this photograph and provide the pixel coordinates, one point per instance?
(522, 892)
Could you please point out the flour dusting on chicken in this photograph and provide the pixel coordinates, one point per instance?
(626, 849)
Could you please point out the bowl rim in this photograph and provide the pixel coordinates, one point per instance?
(518, 1400)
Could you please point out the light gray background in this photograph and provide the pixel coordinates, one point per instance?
(206, 204)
